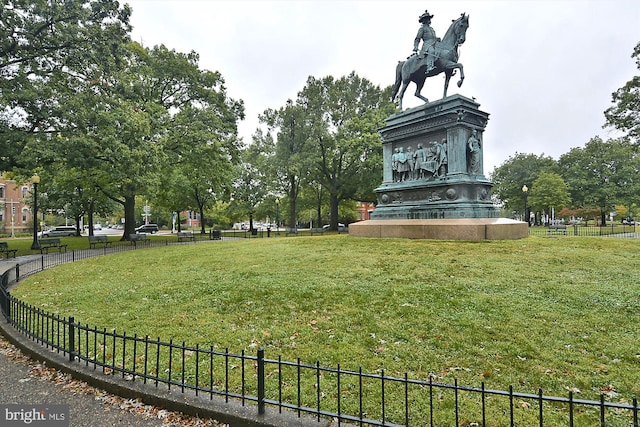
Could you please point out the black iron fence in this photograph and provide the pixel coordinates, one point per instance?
(610, 230)
(372, 399)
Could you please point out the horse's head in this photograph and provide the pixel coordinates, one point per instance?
(457, 32)
(460, 28)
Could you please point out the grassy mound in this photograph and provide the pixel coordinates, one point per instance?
(560, 314)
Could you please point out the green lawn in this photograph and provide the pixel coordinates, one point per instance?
(557, 313)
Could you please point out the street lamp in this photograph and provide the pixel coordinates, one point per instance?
(277, 216)
(35, 179)
(525, 191)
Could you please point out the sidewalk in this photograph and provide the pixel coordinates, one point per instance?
(25, 381)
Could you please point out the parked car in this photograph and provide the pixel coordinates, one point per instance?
(59, 231)
(147, 228)
(341, 227)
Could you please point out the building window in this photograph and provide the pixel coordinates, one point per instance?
(25, 191)
(1, 192)
(24, 215)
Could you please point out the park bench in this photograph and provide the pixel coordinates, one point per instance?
(291, 232)
(557, 228)
(186, 235)
(139, 237)
(46, 244)
(4, 248)
(317, 231)
(95, 240)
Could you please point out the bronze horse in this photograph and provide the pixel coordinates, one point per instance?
(414, 70)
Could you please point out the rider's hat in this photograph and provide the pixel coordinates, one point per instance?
(424, 16)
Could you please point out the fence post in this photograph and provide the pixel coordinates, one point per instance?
(72, 338)
(17, 273)
(261, 381)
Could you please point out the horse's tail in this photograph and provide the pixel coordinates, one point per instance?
(396, 86)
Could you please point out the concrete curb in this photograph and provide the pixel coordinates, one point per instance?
(232, 412)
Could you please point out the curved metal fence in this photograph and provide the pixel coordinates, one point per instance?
(372, 399)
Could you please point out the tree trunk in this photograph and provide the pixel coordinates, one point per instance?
(333, 206)
(90, 218)
(129, 216)
(319, 214)
(201, 209)
(179, 222)
(293, 196)
(77, 223)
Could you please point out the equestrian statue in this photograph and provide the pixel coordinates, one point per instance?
(436, 56)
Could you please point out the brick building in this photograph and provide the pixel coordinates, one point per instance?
(364, 210)
(15, 212)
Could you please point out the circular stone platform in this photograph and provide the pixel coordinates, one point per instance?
(442, 229)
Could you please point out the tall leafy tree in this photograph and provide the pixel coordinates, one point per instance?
(515, 172)
(285, 144)
(43, 44)
(345, 149)
(203, 146)
(130, 124)
(549, 191)
(602, 174)
(625, 114)
(248, 190)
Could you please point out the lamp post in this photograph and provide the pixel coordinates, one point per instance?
(277, 216)
(35, 179)
(525, 191)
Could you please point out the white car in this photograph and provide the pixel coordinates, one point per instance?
(341, 227)
(59, 231)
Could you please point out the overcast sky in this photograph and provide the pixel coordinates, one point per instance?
(543, 70)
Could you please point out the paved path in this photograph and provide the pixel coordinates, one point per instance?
(24, 381)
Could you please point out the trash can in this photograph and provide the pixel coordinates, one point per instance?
(216, 235)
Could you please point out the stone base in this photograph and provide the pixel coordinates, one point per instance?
(442, 229)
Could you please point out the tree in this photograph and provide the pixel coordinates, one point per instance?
(248, 190)
(203, 147)
(129, 126)
(345, 149)
(549, 191)
(43, 43)
(288, 153)
(515, 172)
(602, 174)
(625, 114)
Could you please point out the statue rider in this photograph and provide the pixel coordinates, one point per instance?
(428, 37)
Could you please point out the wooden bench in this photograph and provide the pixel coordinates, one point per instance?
(557, 228)
(138, 237)
(95, 240)
(291, 232)
(46, 244)
(4, 248)
(317, 231)
(186, 235)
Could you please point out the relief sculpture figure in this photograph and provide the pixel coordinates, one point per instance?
(411, 164)
(403, 165)
(394, 165)
(474, 153)
(419, 161)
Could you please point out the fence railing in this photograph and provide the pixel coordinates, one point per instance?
(611, 230)
(372, 399)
